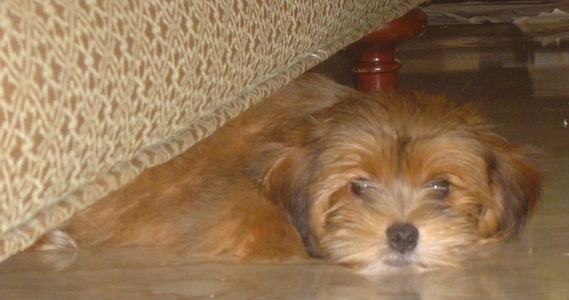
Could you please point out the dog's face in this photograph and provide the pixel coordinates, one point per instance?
(401, 182)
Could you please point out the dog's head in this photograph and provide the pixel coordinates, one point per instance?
(400, 181)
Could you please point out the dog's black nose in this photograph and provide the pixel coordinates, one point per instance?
(402, 237)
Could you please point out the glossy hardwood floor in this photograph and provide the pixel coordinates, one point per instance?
(521, 85)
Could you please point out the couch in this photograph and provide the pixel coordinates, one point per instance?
(94, 92)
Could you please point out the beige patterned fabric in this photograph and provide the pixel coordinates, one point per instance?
(92, 92)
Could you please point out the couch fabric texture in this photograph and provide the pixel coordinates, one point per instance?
(93, 92)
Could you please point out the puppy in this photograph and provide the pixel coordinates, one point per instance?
(372, 182)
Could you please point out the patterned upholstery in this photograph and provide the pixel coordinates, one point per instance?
(93, 92)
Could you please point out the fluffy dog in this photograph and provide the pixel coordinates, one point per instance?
(320, 170)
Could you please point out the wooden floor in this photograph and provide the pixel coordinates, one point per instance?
(520, 84)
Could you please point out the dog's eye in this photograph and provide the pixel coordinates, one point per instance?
(358, 187)
(441, 188)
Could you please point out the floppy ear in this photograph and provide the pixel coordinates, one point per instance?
(284, 173)
(515, 186)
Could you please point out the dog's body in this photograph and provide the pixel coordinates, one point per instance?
(318, 169)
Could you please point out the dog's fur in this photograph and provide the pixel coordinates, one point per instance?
(321, 170)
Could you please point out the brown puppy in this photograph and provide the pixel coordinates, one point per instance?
(368, 181)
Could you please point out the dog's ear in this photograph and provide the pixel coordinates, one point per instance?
(515, 184)
(284, 173)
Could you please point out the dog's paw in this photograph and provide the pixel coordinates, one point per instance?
(54, 240)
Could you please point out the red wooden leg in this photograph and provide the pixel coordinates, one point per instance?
(376, 67)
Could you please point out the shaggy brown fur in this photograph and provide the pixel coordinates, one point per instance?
(318, 169)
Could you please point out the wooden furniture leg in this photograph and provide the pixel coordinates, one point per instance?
(376, 67)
